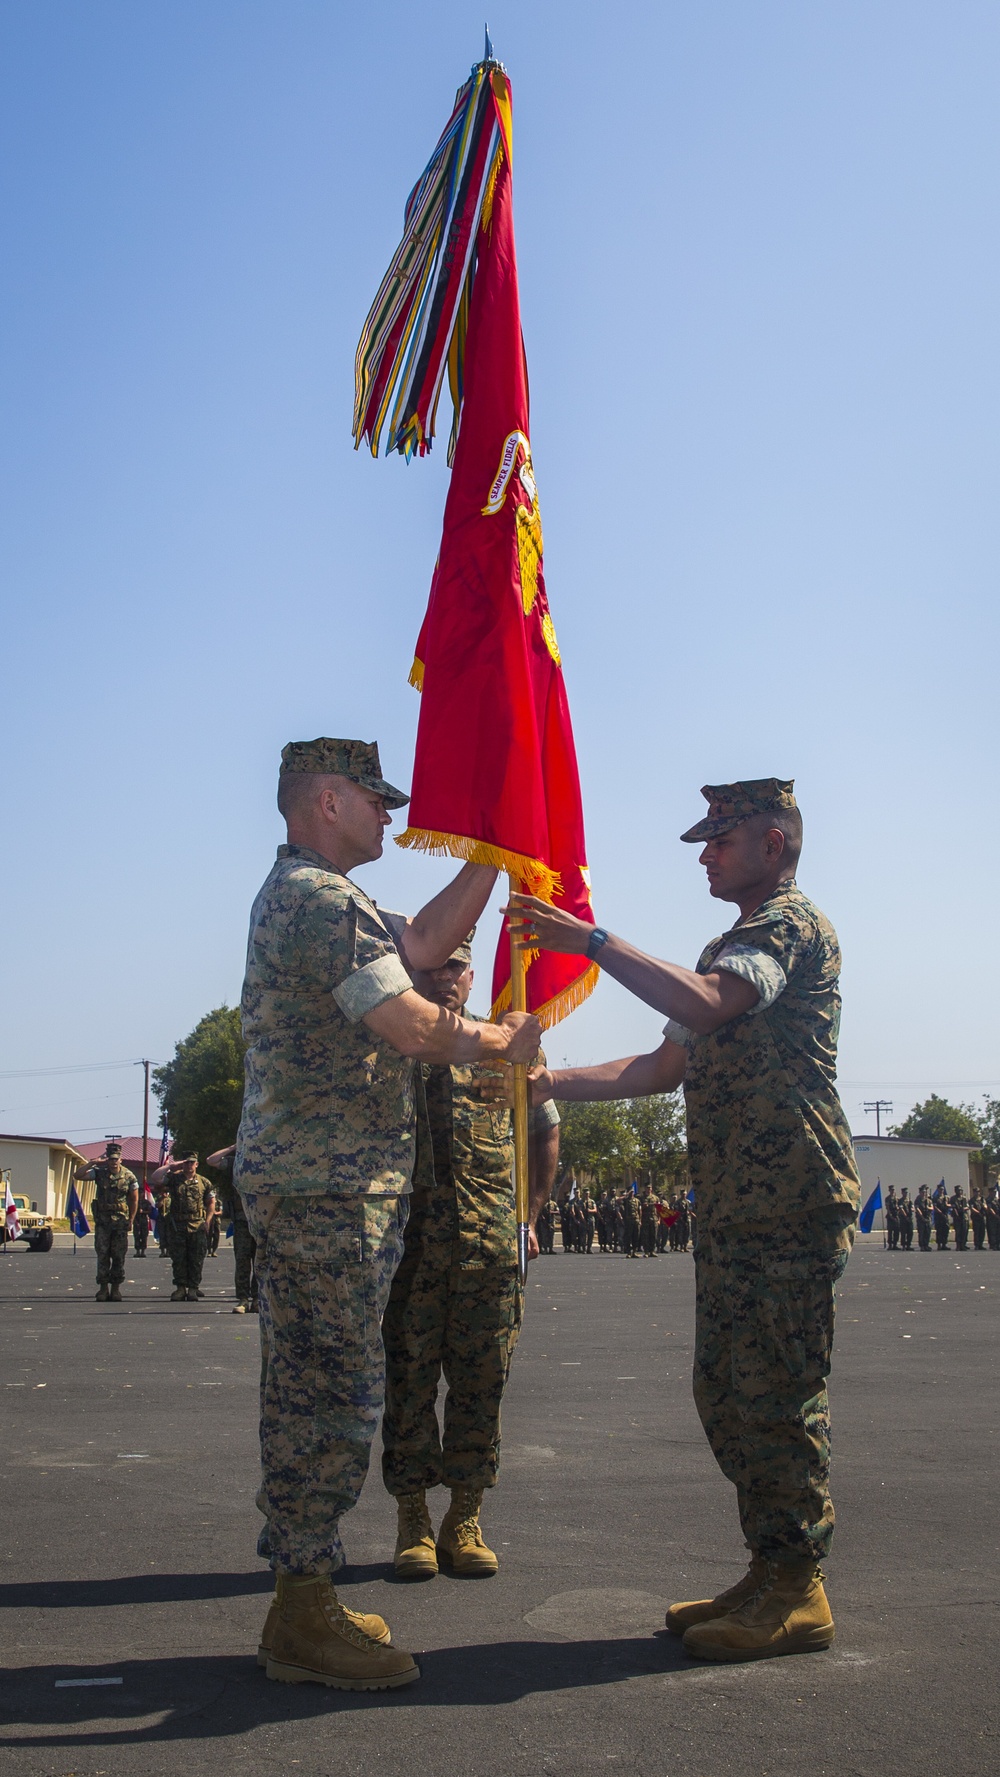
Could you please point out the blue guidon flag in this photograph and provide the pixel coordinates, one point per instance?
(78, 1223)
(867, 1216)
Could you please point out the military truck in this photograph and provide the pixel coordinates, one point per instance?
(35, 1229)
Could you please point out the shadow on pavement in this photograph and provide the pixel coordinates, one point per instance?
(139, 1588)
(230, 1695)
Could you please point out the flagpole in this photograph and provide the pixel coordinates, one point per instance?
(519, 1003)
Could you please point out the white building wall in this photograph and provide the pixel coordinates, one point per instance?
(29, 1170)
(41, 1172)
(909, 1164)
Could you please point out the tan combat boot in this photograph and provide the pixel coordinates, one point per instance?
(116, 1293)
(179, 1296)
(415, 1558)
(371, 1625)
(315, 1642)
(460, 1544)
(787, 1614)
(681, 1617)
(102, 1294)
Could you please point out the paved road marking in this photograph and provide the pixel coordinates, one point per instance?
(66, 1684)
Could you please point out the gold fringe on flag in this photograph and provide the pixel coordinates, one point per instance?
(561, 1006)
(535, 877)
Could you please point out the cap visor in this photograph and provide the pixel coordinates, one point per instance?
(392, 797)
(711, 829)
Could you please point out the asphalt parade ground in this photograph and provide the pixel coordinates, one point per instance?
(132, 1596)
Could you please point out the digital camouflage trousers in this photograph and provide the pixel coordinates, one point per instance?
(244, 1248)
(456, 1321)
(187, 1248)
(763, 1346)
(324, 1266)
(110, 1248)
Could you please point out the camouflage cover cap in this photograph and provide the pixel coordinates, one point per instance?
(356, 759)
(462, 953)
(729, 805)
(113, 1147)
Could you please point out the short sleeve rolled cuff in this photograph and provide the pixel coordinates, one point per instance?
(370, 986)
(755, 966)
(762, 971)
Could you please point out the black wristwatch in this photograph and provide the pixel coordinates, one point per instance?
(597, 940)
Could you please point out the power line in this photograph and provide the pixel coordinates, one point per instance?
(84, 1067)
(92, 1130)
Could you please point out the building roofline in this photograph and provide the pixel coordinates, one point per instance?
(46, 1141)
(920, 1141)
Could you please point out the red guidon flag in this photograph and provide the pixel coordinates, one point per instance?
(495, 777)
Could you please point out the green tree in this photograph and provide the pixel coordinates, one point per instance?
(657, 1128)
(201, 1089)
(989, 1131)
(937, 1120)
(596, 1139)
(631, 1135)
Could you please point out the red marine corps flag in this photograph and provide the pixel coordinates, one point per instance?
(495, 777)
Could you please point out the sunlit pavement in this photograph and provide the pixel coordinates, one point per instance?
(129, 1532)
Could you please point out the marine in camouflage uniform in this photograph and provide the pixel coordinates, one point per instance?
(116, 1198)
(960, 1219)
(244, 1244)
(905, 1213)
(753, 1036)
(942, 1216)
(189, 1207)
(923, 1210)
(456, 1301)
(323, 1163)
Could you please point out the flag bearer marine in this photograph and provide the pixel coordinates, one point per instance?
(456, 1301)
(116, 1198)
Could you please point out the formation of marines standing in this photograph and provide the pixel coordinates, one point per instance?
(635, 1223)
(936, 1212)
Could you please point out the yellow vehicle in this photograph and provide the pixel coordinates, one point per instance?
(35, 1229)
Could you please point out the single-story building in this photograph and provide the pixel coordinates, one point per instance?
(40, 1168)
(131, 1158)
(893, 1160)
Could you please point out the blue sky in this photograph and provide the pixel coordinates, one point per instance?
(759, 276)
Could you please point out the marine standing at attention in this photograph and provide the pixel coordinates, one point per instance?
(323, 1163)
(753, 1037)
(116, 1199)
(456, 1301)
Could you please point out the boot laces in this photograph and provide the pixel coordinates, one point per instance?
(345, 1623)
(467, 1529)
(415, 1515)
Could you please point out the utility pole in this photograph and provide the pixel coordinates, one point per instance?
(881, 1106)
(145, 1123)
